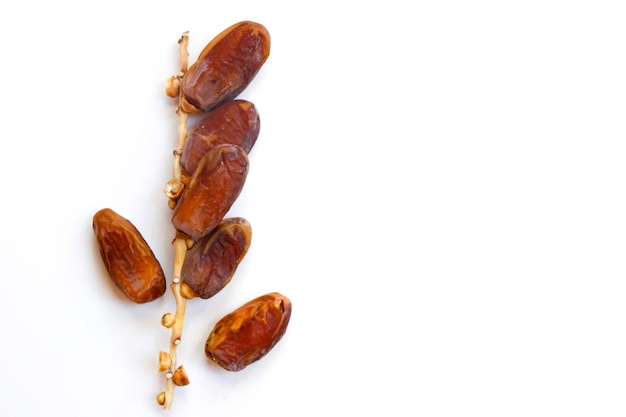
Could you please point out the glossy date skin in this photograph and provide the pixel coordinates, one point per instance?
(249, 333)
(236, 122)
(212, 261)
(212, 190)
(225, 66)
(130, 262)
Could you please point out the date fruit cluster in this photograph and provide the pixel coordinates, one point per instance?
(214, 163)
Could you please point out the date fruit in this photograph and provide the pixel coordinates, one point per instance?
(212, 190)
(225, 66)
(236, 122)
(130, 262)
(212, 261)
(248, 333)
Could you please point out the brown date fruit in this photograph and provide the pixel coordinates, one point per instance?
(130, 262)
(248, 333)
(212, 261)
(236, 122)
(225, 66)
(212, 190)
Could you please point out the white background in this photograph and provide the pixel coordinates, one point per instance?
(439, 187)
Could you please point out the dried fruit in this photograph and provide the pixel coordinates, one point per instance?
(249, 333)
(214, 187)
(225, 66)
(131, 264)
(212, 261)
(235, 122)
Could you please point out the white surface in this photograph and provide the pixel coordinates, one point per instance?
(439, 188)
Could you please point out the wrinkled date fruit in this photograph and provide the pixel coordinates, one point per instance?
(131, 264)
(249, 333)
(235, 122)
(212, 190)
(225, 66)
(212, 261)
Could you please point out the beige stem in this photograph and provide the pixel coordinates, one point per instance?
(182, 137)
(180, 250)
(180, 244)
